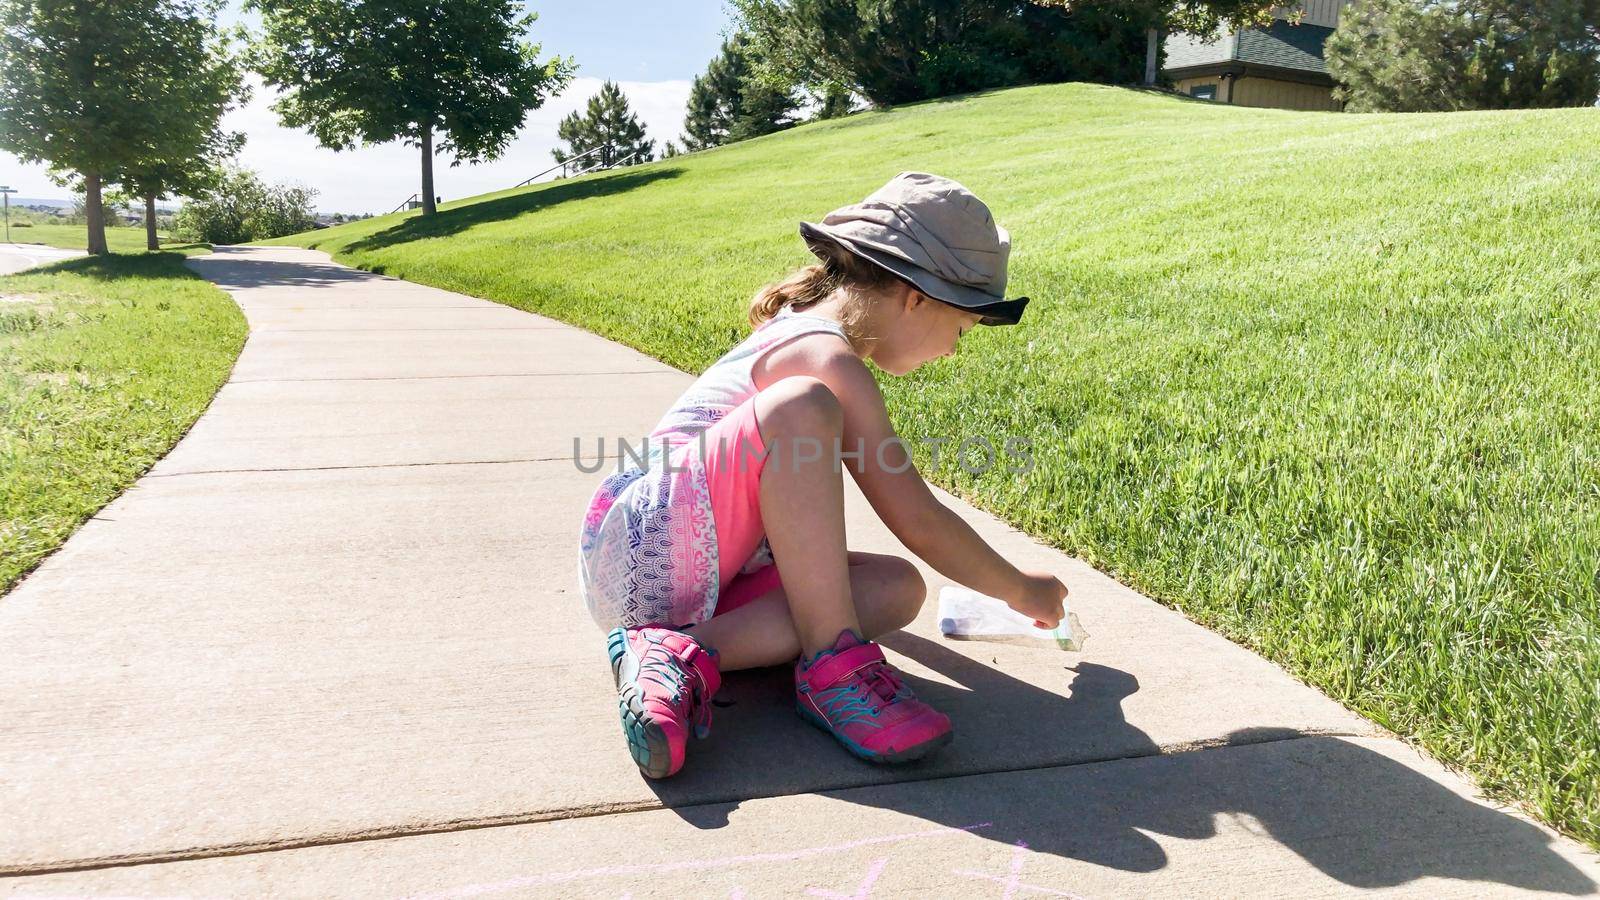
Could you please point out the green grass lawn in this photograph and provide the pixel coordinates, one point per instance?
(1326, 383)
(119, 239)
(104, 363)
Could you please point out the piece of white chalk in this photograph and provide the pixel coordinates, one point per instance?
(966, 615)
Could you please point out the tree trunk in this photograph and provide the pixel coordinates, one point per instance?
(1152, 46)
(151, 242)
(94, 214)
(426, 140)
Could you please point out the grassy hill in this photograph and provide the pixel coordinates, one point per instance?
(1326, 383)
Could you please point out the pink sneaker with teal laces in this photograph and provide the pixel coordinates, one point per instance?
(665, 681)
(851, 692)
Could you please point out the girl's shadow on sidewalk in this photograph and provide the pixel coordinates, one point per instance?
(1069, 776)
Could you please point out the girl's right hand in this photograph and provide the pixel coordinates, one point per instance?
(1043, 597)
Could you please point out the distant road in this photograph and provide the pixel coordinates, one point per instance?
(16, 257)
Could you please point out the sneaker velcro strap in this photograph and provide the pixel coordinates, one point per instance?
(702, 663)
(831, 670)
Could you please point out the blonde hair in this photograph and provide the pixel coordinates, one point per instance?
(861, 281)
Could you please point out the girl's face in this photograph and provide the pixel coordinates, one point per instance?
(917, 329)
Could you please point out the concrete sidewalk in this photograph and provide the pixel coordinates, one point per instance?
(331, 645)
(15, 258)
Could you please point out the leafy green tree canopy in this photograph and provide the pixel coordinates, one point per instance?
(1438, 55)
(203, 80)
(897, 51)
(728, 103)
(91, 88)
(1189, 16)
(451, 73)
(608, 125)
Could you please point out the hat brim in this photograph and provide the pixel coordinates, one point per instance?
(993, 310)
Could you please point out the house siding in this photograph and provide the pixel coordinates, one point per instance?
(1184, 84)
(1269, 92)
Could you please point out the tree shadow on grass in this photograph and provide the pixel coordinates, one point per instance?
(453, 221)
(183, 247)
(1070, 777)
(977, 94)
(165, 263)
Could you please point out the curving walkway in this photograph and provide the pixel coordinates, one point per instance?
(15, 258)
(331, 644)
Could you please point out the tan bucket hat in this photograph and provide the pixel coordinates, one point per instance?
(931, 232)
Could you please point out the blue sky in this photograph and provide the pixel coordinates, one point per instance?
(652, 49)
(669, 41)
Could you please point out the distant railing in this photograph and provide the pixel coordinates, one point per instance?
(620, 162)
(413, 201)
(407, 204)
(565, 163)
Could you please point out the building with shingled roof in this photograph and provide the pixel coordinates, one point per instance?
(1279, 66)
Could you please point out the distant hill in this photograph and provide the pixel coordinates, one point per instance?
(55, 203)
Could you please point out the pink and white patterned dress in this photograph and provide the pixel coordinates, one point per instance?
(648, 547)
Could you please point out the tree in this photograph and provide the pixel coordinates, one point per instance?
(898, 51)
(1420, 55)
(835, 101)
(240, 207)
(607, 126)
(1189, 16)
(412, 70)
(203, 81)
(728, 103)
(83, 86)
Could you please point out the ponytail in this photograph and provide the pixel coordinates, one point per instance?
(804, 287)
(861, 280)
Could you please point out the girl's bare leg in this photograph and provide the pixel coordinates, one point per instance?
(802, 509)
(888, 593)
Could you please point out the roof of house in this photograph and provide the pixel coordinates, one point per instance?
(1285, 46)
(1280, 46)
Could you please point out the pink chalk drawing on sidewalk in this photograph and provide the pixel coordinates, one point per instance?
(690, 865)
(862, 891)
(1013, 881)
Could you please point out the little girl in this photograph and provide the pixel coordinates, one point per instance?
(726, 549)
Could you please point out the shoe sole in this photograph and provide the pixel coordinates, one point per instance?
(647, 743)
(910, 754)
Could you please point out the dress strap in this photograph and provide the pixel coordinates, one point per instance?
(807, 322)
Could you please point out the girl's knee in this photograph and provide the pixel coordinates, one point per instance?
(909, 590)
(801, 403)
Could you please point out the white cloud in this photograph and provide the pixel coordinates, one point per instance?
(377, 179)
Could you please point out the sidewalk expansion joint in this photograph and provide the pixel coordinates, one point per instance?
(372, 330)
(662, 371)
(248, 848)
(409, 465)
(264, 306)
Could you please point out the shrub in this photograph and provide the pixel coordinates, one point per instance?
(244, 208)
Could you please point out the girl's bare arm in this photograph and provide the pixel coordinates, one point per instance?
(889, 479)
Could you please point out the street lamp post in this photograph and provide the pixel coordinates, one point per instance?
(6, 192)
